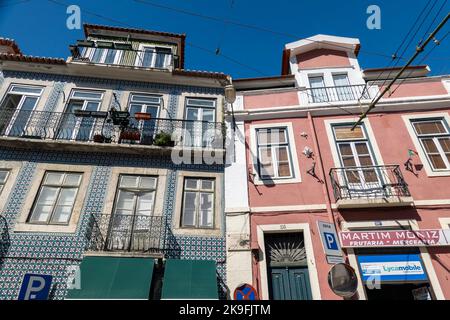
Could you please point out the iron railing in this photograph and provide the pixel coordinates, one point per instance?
(127, 57)
(368, 182)
(337, 93)
(98, 127)
(130, 233)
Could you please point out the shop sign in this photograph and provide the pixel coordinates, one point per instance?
(400, 267)
(395, 238)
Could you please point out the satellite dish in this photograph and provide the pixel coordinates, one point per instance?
(342, 280)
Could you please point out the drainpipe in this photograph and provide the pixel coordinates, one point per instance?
(326, 195)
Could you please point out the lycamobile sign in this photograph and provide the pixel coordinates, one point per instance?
(392, 267)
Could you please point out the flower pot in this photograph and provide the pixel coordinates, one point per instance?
(142, 116)
(130, 135)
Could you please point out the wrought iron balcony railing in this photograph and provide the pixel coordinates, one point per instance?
(130, 233)
(97, 126)
(369, 182)
(337, 93)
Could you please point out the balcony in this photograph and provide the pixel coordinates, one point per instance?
(122, 54)
(72, 131)
(119, 233)
(371, 186)
(338, 94)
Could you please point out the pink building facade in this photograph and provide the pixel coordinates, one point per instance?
(297, 162)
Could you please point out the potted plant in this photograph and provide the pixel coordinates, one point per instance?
(163, 139)
(142, 116)
(130, 134)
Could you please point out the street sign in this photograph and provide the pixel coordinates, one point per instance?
(245, 292)
(35, 287)
(335, 260)
(330, 240)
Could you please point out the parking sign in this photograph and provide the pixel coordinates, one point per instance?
(330, 240)
(35, 287)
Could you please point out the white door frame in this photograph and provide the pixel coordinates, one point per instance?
(312, 269)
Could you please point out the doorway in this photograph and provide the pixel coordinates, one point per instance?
(287, 267)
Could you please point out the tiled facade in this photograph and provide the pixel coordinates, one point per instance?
(52, 253)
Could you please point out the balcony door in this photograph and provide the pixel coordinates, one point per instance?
(80, 126)
(200, 113)
(358, 172)
(17, 109)
(318, 90)
(146, 104)
(132, 218)
(343, 88)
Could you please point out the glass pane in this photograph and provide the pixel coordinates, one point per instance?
(145, 203)
(3, 175)
(362, 148)
(147, 183)
(365, 161)
(97, 56)
(147, 58)
(370, 175)
(353, 175)
(201, 102)
(72, 179)
(207, 184)
(25, 89)
(445, 144)
(110, 56)
(44, 204)
(89, 95)
(64, 206)
(41, 213)
(437, 162)
(208, 115)
(316, 82)
(345, 149)
(191, 183)
(283, 154)
(429, 127)
(125, 201)
(129, 181)
(62, 214)
(146, 99)
(189, 209)
(54, 178)
(340, 80)
(430, 146)
(29, 103)
(345, 133)
(206, 210)
(67, 197)
(349, 161)
(284, 169)
(192, 114)
(266, 162)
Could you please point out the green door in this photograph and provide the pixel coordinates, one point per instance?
(290, 283)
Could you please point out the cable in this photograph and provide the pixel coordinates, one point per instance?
(247, 26)
(434, 20)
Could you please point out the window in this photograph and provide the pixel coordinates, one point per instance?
(147, 104)
(434, 138)
(75, 127)
(274, 158)
(17, 109)
(355, 155)
(103, 55)
(154, 57)
(343, 88)
(318, 90)
(200, 113)
(56, 198)
(198, 203)
(3, 177)
(135, 195)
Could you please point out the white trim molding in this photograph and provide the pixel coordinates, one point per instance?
(423, 157)
(312, 269)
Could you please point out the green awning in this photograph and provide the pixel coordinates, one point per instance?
(114, 278)
(190, 279)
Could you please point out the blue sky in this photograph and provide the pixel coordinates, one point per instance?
(39, 27)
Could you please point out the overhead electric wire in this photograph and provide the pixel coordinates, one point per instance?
(248, 26)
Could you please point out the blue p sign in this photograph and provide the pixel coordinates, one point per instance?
(35, 287)
(331, 241)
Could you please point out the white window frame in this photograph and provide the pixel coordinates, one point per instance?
(198, 191)
(274, 147)
(295, 169)
(408, 119)
(19, 106)
(3, 184)
(140, 56)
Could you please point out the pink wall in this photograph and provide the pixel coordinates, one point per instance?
(417, 89)
(271, 100)
(320, 58)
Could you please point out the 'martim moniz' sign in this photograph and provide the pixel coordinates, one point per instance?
(395, 238)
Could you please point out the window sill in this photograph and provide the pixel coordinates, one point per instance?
(197, 232)
(269, 182)
(28, 227)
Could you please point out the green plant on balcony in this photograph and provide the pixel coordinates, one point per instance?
(163, 139)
